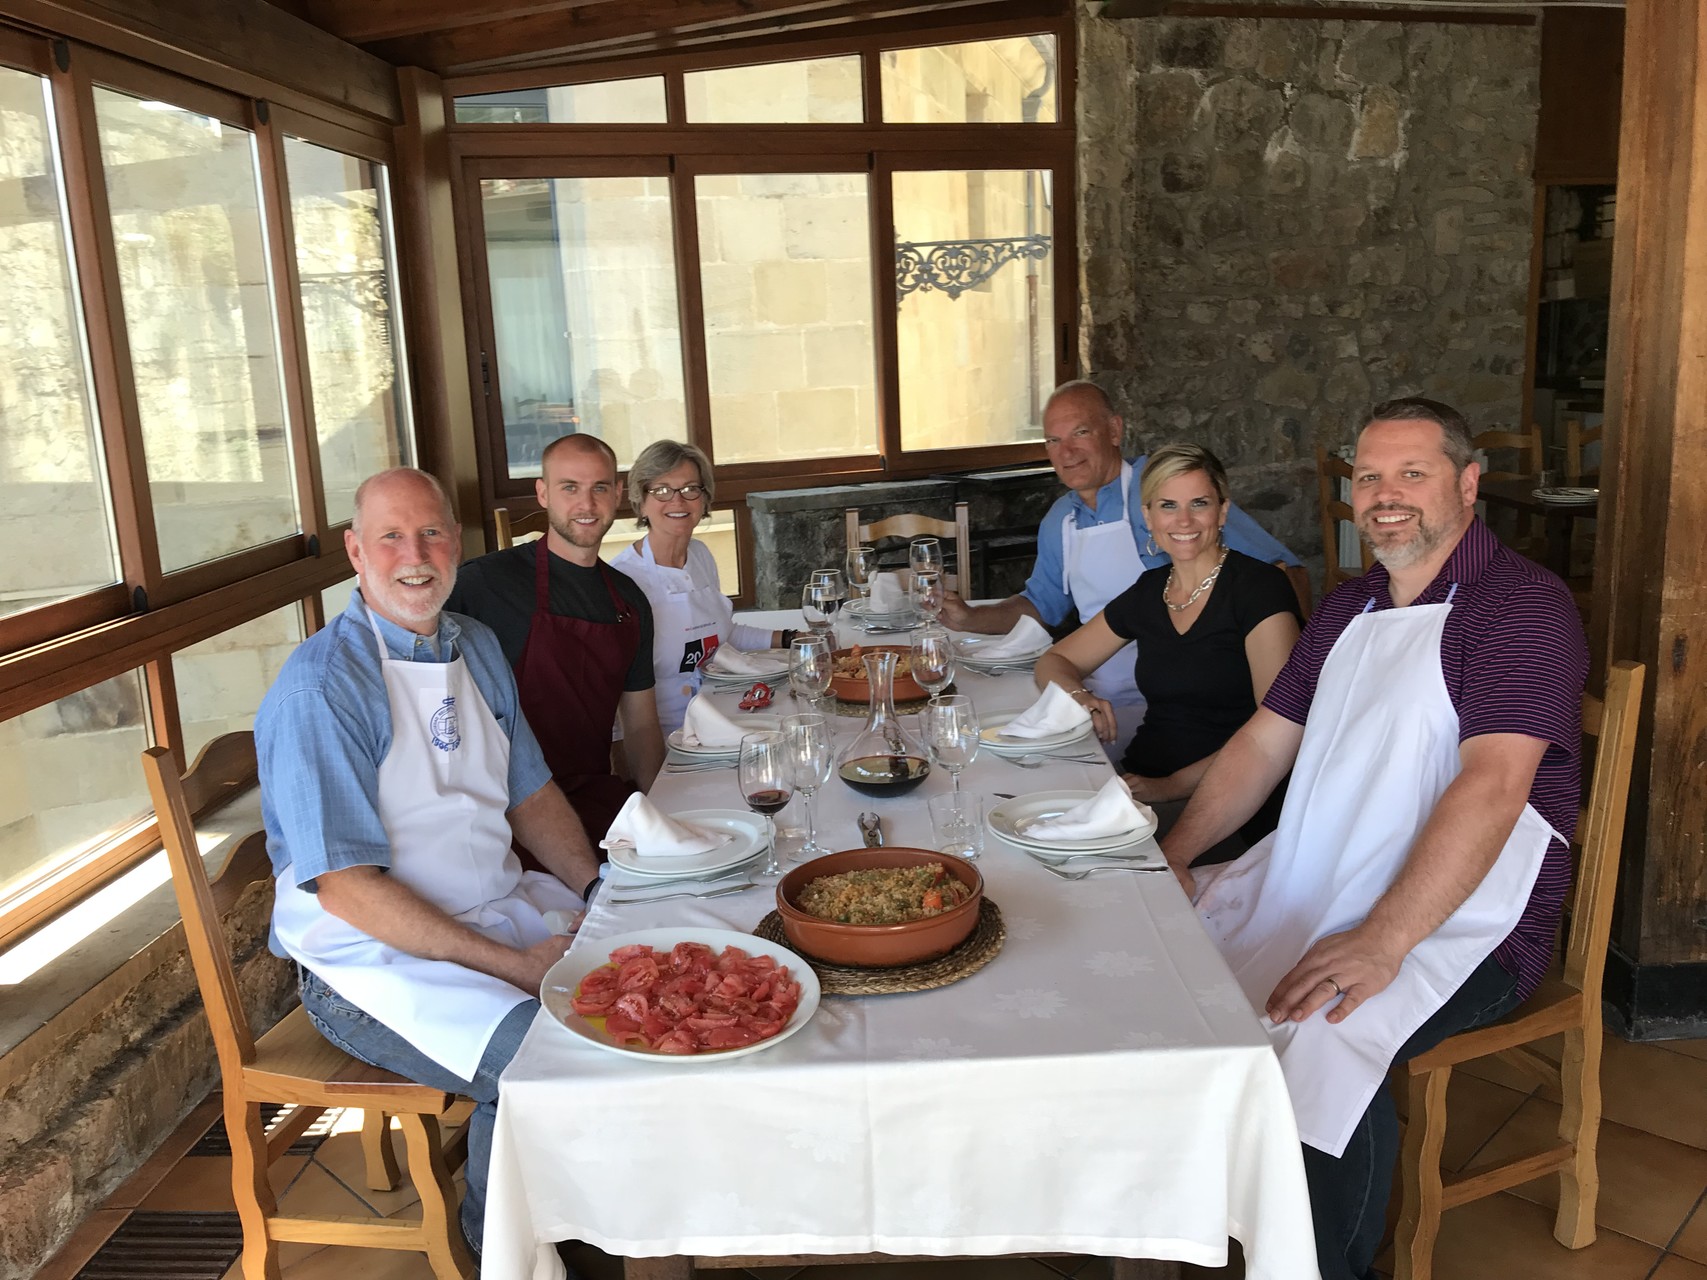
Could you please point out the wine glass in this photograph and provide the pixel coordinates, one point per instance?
(767, 782)
(838, 589)
(924, 555)
(927, 592)
(818, 605)
(861, 565)
(811, 758)
(810, 667)
(933, 659)
(950, 726)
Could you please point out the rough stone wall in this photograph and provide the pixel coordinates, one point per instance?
(1285, 221)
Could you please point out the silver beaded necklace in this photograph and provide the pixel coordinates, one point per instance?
(1201, 587)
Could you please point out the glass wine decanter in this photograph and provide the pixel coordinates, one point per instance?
(884, 759)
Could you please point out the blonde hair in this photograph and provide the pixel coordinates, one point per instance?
(1173, 460)
(659, 458)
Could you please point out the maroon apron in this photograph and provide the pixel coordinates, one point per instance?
(571, 677)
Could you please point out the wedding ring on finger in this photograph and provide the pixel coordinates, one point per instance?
(1338, 991)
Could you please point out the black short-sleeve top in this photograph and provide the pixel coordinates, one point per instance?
(1197, 685)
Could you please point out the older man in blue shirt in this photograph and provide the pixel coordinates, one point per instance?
(396, 768)
(1094, 542)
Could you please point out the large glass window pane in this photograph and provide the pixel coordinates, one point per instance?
(981, 82)
(974, 270)
(70, 774)
(55, 520)
(636, 101)
(198, 310)
(785, 269)
(817, 91)
(340, 210)
(221, 680)
(583, 278)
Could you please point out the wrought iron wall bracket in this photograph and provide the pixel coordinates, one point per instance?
(954, 266)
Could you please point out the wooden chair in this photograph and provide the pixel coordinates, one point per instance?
(1526, 444)
(1576, 440)
(1335, 512)
(912, 525)
(1568, 1003)
(1299, 577)
(292, 1063)
(507, 529)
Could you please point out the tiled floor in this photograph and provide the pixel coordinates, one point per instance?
(1652, 1216)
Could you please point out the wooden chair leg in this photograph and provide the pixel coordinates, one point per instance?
(446, 1253)
(1419, 1219)
(1579, 1125)
(250, 1187)
(382, 1171)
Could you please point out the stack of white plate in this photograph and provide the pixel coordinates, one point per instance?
(1565, 496)
(748, 722)
(774, 660)
(747, 828)
(1006, 819)
(967, 649)
(991, 739)
(877, 622)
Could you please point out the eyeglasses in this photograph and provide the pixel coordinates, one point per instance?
(662, 492)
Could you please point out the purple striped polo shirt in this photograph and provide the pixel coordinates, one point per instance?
(1515, 659)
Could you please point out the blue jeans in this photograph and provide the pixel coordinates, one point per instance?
(362, 1036)
(1348, 1195)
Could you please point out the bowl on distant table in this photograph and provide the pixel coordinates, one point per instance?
(878, 945)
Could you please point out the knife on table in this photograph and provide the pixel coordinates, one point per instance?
(871, 830)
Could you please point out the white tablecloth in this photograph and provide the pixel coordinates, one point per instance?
(1101, 1087)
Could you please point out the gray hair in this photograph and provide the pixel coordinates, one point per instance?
(659, 458)
(425, 477)
(1455, 440)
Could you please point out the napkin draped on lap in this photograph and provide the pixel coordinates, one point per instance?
(1110, 812)
(732, 661)
(1028, 637)
(888, 594)
(651, 834)
(1052, 713)
(703, 725)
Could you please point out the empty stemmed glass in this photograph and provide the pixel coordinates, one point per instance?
(860, 567)
(819, 601)
(924, 555)
(811, 756)
(933, 659)
(810, 661)
(767, 784)
(927, 592)
(950, 729)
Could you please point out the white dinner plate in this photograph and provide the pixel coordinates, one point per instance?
(862, 615)
(747, 828)
(1565, 495)
(775, 660)
(558, 987)
(968, 650)
(1005, 820)
(748, 721)
(990, 736)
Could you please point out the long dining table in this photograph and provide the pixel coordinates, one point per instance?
(1101, 1087)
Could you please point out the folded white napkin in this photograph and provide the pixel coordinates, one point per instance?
(888, 594)
(1052, 713)
(1110, 812)
(737, 662)
(651, 834)
(1028, 637)
(703, 725)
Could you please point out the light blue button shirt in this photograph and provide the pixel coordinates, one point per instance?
(324, 728)
(1047, 587)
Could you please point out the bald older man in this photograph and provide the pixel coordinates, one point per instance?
(396, 767)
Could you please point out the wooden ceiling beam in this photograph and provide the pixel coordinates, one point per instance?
(368, 20)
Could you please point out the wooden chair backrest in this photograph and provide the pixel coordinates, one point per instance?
(507, 528)
(225, 766)
(1576, 440)
(910, 524)
(1612, 722)
(1526, 444)
(1330, 469)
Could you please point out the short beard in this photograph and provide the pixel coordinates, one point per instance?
(573, 534)
(407, 608)
(1403, 555)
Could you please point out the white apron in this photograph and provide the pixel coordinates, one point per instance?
(443, 793)
(1379, 749)
(1097, 564)
(686, 622)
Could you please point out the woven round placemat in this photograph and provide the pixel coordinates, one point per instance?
(978, 950)
(858, 710)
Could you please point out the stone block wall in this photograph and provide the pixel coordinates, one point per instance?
(1285, 221)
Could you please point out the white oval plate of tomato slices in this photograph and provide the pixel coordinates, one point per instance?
(563, 979)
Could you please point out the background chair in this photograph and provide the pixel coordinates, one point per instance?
(507, 528)
(1566, 1003)
(1526, 445)
(1576, 440)
(292, 1063)
(1335, 512)
(912, 525)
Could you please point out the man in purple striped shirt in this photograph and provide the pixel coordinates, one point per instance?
(1497, 669)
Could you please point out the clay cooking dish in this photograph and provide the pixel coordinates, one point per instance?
(877, 945)
(857, 688)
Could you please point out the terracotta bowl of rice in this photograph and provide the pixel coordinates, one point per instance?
(848, 679)
(862, 884)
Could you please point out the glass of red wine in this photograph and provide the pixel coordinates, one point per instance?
(767, 781)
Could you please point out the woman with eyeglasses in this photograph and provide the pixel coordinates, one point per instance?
(670, 488)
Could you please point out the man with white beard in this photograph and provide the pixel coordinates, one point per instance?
(396, 768)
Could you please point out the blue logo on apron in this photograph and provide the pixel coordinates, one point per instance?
(446, 729)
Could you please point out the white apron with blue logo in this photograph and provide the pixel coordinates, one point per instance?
(1097, 564)
(443, 790)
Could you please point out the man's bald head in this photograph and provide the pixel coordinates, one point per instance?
(400, 479)
(578, 442)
